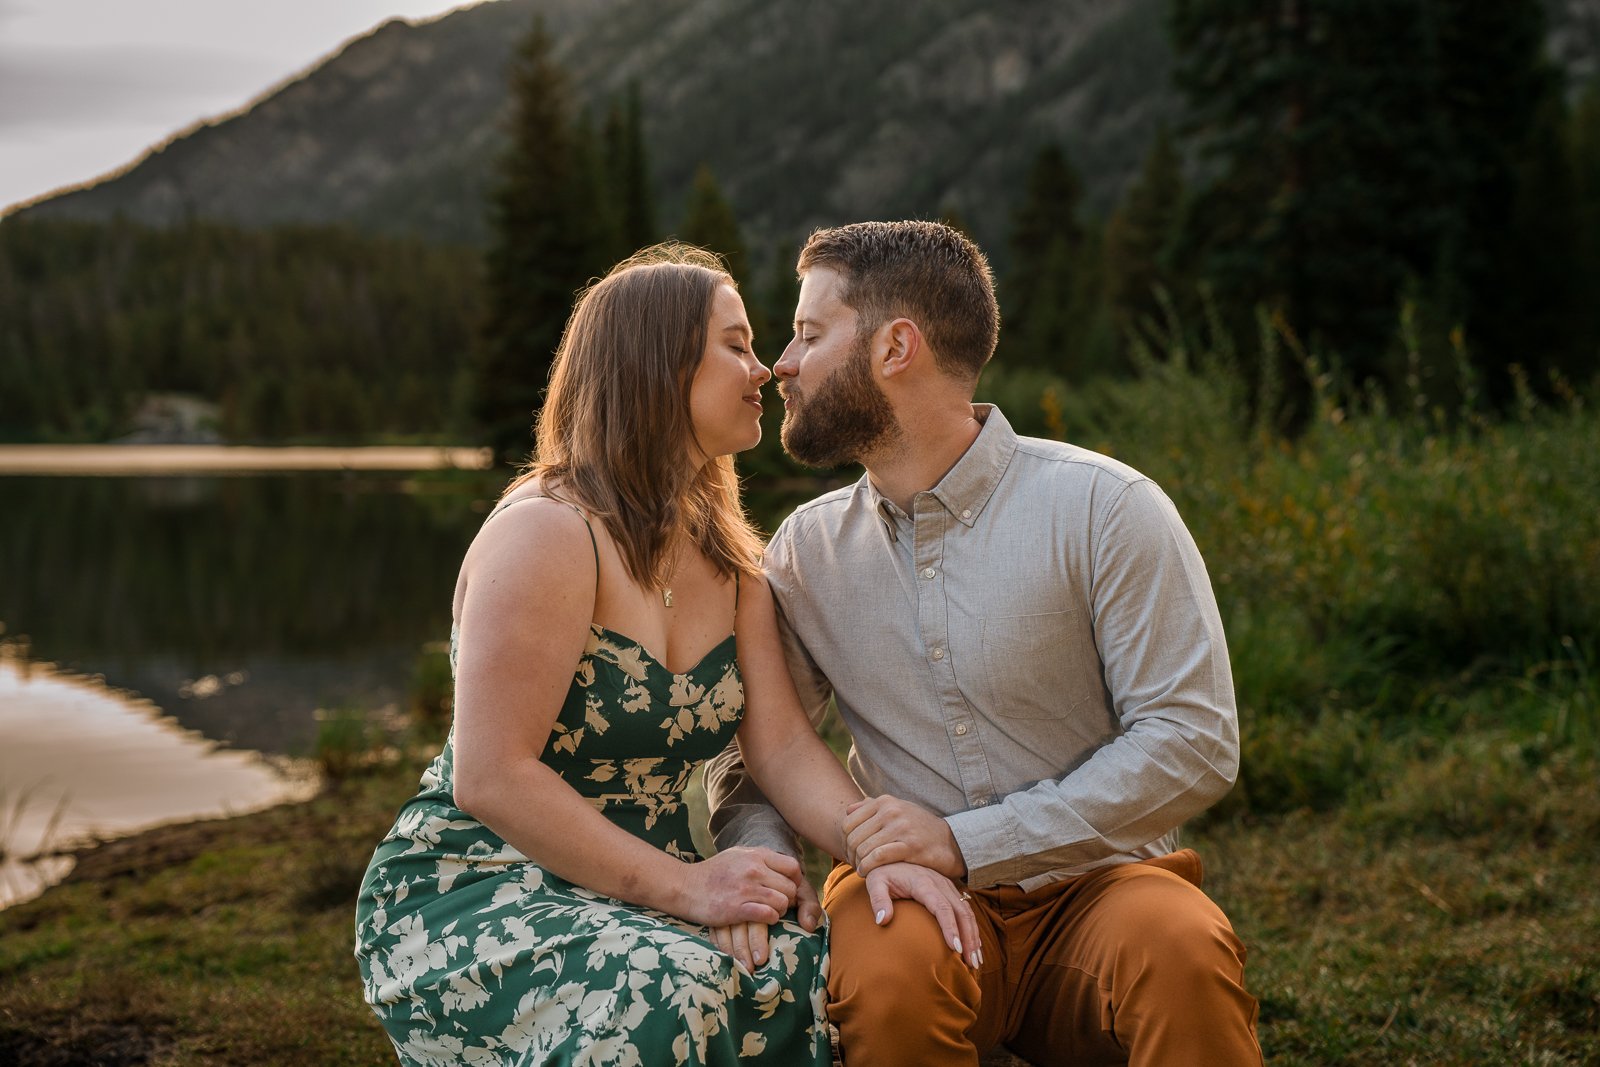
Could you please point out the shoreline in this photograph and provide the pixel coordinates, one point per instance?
(235, 459)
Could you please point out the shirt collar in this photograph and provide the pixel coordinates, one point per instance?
(967, 486)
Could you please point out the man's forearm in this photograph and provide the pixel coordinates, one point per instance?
(740, 814)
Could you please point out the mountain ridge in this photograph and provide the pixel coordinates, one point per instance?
(397, 130)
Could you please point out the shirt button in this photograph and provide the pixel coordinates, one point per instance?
(966, 513)
(981, 802)
(929, 573)
(938, 653)
(961, 729)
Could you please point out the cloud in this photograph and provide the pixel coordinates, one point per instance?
(56, 86)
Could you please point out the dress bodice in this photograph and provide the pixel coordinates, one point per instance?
(628, 738)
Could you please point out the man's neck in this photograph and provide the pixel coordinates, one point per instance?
(922, 455)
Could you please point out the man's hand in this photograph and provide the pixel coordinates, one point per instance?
(886, 829)
(748, 943)
(946, 902)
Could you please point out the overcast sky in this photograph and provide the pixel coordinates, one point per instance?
(87, 85)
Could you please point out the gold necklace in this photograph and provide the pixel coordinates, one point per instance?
(666, 589)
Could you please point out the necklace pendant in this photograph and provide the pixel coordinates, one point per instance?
(666, 597)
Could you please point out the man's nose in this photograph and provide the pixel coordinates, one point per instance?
(787, 364)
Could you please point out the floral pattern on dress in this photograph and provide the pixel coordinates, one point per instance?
(471, 953)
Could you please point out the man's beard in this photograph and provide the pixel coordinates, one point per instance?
(842, 418)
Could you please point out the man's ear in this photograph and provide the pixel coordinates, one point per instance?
(902, 347)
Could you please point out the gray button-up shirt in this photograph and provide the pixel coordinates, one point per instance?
(1034, 653)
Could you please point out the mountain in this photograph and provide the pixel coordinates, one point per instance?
(397, 131)
(808, 114)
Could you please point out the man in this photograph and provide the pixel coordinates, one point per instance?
(1022, 640)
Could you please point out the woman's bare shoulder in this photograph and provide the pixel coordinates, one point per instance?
(530, 536)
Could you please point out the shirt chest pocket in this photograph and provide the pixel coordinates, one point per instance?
(1039, 666)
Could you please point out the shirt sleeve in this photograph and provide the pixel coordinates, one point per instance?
(740, 814)
(1165, 663)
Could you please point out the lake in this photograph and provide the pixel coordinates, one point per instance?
(167, 642)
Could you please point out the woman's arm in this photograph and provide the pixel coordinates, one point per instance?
(797, 771)
(793, 767)
(524, 609)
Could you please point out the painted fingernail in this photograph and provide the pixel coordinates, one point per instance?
(879, 918)
(955, 943)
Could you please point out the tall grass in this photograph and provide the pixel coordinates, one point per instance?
(1391, 575)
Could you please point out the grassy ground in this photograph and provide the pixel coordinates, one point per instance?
(1413, 610)
(1377, 934)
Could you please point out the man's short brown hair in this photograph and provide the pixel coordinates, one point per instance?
(923, 271)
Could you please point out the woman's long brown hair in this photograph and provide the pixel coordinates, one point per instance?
(615, 433)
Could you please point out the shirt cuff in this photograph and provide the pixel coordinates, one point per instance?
(757, 826)
(989, 845)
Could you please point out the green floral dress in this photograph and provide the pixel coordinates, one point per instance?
(470, 953)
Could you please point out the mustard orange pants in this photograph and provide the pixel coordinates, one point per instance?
(1126, 964)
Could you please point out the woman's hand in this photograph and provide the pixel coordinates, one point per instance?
(738, 886)
(946, 901)
(747, 943)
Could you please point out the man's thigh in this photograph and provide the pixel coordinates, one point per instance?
(1119, 957)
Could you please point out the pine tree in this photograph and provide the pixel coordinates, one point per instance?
(1584, 151)
(628, 172)
(1139, 237)
(771, 308)
(544, 244)
(1541, 299)
(1495, 91)
(709, 222)
(1048, 261)
(1359, 147)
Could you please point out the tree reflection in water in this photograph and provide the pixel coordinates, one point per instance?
(238, 605)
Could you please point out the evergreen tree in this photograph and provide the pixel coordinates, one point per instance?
(1584, 150)
(709, 222)
(1049, 261)
(1359, 145)
(1497, 98)
(544, 244)
(1540, 303)
(1139, 237)
(628, 172)
(771, 309)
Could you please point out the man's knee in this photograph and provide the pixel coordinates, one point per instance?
(907, 952)
(1175, 953)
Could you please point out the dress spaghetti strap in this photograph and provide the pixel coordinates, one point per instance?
(596, 546)
(593, 544)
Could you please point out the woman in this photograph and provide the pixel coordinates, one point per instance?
(533, 903)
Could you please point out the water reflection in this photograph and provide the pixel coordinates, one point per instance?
(179, 614)
(183, 612)
(81, 761)
(238, 605)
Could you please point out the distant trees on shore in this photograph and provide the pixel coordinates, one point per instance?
(1375, 191)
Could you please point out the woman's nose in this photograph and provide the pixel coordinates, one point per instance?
(760, 374)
